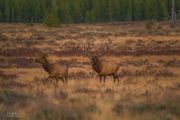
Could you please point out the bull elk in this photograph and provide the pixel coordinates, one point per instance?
(105, 68)
(55, 70)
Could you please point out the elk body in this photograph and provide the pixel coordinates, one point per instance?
(55, 70)
(105, 68)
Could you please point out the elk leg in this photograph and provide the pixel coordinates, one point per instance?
(57, 80)
(117, 77)
(114, 77)
(66, 79)
(48, 78)
(104, 78)
(100, 78)
(62, 80)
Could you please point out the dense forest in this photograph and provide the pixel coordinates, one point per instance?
(79, 11)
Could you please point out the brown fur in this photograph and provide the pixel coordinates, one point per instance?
(55, 70)
(105, 68)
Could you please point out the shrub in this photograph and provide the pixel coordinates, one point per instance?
(150, 24)
(61, 94)
(167, 109)
(52, 20)
(63, 112)
(119, 109)
(30, 24)
(85, 90)
(172, 25)
(9, 97)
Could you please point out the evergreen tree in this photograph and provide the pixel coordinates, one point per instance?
(116, 10)
(7, 11)
(64, 12)
(150, 9)
(162, 10)
(128, 11)
(137, 10)
(110, 10)
(52, 19)
(78, 11)
(75, 10)
(90, 17)
(122, 10)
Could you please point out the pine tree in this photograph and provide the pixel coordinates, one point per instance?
(90, 17)
(110, 10)
(96, 9)
(52, 19)
(1, 10)
(7, 11)
(128, 4)
(75, 10)
(116, 10)
(79, 11)
(137, 10)
(150, 9)
(162, 10)
(64, 12)
(122, 10)
(1, 17)
(177, 9)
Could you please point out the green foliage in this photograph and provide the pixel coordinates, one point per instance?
(90, 17)
(150, 24)
(30, 24)
(162, 9)
(137, 13)
(78, 11)
(52, 20)
(119, 109)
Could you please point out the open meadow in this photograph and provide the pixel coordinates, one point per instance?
(149, 59)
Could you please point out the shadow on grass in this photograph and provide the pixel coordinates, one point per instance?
(69, 111)
(167, 109)
(9, 97)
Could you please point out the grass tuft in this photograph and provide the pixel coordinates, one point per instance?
(9, 97)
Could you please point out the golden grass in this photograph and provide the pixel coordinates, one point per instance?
(143, 78)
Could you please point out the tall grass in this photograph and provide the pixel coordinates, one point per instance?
(166, 109)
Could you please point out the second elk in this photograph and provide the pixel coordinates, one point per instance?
(55, 70)
(105, 68)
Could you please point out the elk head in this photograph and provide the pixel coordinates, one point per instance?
(42, 60)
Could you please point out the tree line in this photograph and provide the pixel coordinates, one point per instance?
(80, 11)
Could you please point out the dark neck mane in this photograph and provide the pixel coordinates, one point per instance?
(46, 66)
(95, 65)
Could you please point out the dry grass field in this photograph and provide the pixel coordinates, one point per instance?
(149, 87)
